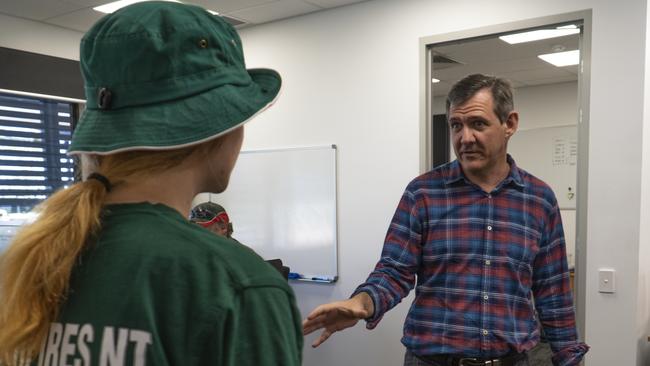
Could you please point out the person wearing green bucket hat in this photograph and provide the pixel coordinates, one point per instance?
(112, 271)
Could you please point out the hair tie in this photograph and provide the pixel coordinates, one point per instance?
(102, 179)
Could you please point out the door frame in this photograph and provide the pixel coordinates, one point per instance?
(584, 16)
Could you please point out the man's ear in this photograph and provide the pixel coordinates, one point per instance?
(512, 123)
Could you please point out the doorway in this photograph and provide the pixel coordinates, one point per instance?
(552, 100)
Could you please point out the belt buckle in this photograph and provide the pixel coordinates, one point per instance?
(475, 361)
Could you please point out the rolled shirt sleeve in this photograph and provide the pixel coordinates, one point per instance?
(553, 296)
(394, 275)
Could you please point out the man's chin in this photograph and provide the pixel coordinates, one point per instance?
(471, 165)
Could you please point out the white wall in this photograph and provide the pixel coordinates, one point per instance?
(547, 105)
(351, 78)
(27, 35)
(643, 302)
(544, 106)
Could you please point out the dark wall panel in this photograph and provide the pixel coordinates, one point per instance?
(35, 73)
(440, 140)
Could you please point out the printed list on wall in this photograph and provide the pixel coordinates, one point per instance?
(565, 151)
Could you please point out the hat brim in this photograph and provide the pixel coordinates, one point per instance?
(177, 123)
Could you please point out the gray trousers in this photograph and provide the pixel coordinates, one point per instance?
(411, 360)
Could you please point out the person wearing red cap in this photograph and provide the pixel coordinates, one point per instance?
(213, 217)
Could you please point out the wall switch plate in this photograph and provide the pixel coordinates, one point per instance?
(606, 283)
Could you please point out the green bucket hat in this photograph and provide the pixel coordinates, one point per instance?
(161, 75)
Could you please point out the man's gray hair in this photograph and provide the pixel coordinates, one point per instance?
(466, 88)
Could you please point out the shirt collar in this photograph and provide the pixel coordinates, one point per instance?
(455, 174)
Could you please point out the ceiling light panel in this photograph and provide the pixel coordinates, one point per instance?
(116, 5)
(539, 34)
(560, 59)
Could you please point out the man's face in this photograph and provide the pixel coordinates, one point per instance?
(220, 228)
(479, 138)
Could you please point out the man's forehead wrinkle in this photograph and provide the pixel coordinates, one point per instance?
(467, 112)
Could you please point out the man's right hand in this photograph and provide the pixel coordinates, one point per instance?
(337, 316)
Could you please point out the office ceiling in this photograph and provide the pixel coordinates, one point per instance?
(490, 55)
(518, 63)
(79, 15)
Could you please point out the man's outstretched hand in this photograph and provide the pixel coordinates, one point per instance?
(337, 316)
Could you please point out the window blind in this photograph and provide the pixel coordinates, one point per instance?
(34, 138)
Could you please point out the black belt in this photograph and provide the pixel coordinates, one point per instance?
(449, 360)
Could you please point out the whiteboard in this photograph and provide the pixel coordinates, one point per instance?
(282, 204)
(550, 154)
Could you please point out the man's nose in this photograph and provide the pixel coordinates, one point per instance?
(467, 136)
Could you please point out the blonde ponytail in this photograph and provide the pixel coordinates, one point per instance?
(35, 270)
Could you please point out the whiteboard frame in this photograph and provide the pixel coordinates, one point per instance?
(309, 277)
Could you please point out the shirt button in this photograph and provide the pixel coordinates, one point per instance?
(488, 262)
(485, 332)
(489, 227)
(485, 297)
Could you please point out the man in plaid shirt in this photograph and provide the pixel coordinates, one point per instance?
(483, 238)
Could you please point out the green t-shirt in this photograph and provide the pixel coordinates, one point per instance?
(155, 289)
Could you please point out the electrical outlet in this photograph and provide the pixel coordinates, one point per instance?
(606, 282)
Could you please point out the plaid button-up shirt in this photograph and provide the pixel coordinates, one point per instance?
(479, 258)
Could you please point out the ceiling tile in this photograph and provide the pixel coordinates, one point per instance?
(574, 69)
(229, 6)
(332, 3)
(494, 49)
(221, 6)
(80, 20)
(88, 3)
(489, 67)
(37, 9)
(519, 62)
(555, 80)
(273, 11)
(530, 77)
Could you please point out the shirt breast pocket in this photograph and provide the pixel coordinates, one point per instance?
(519, 245)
